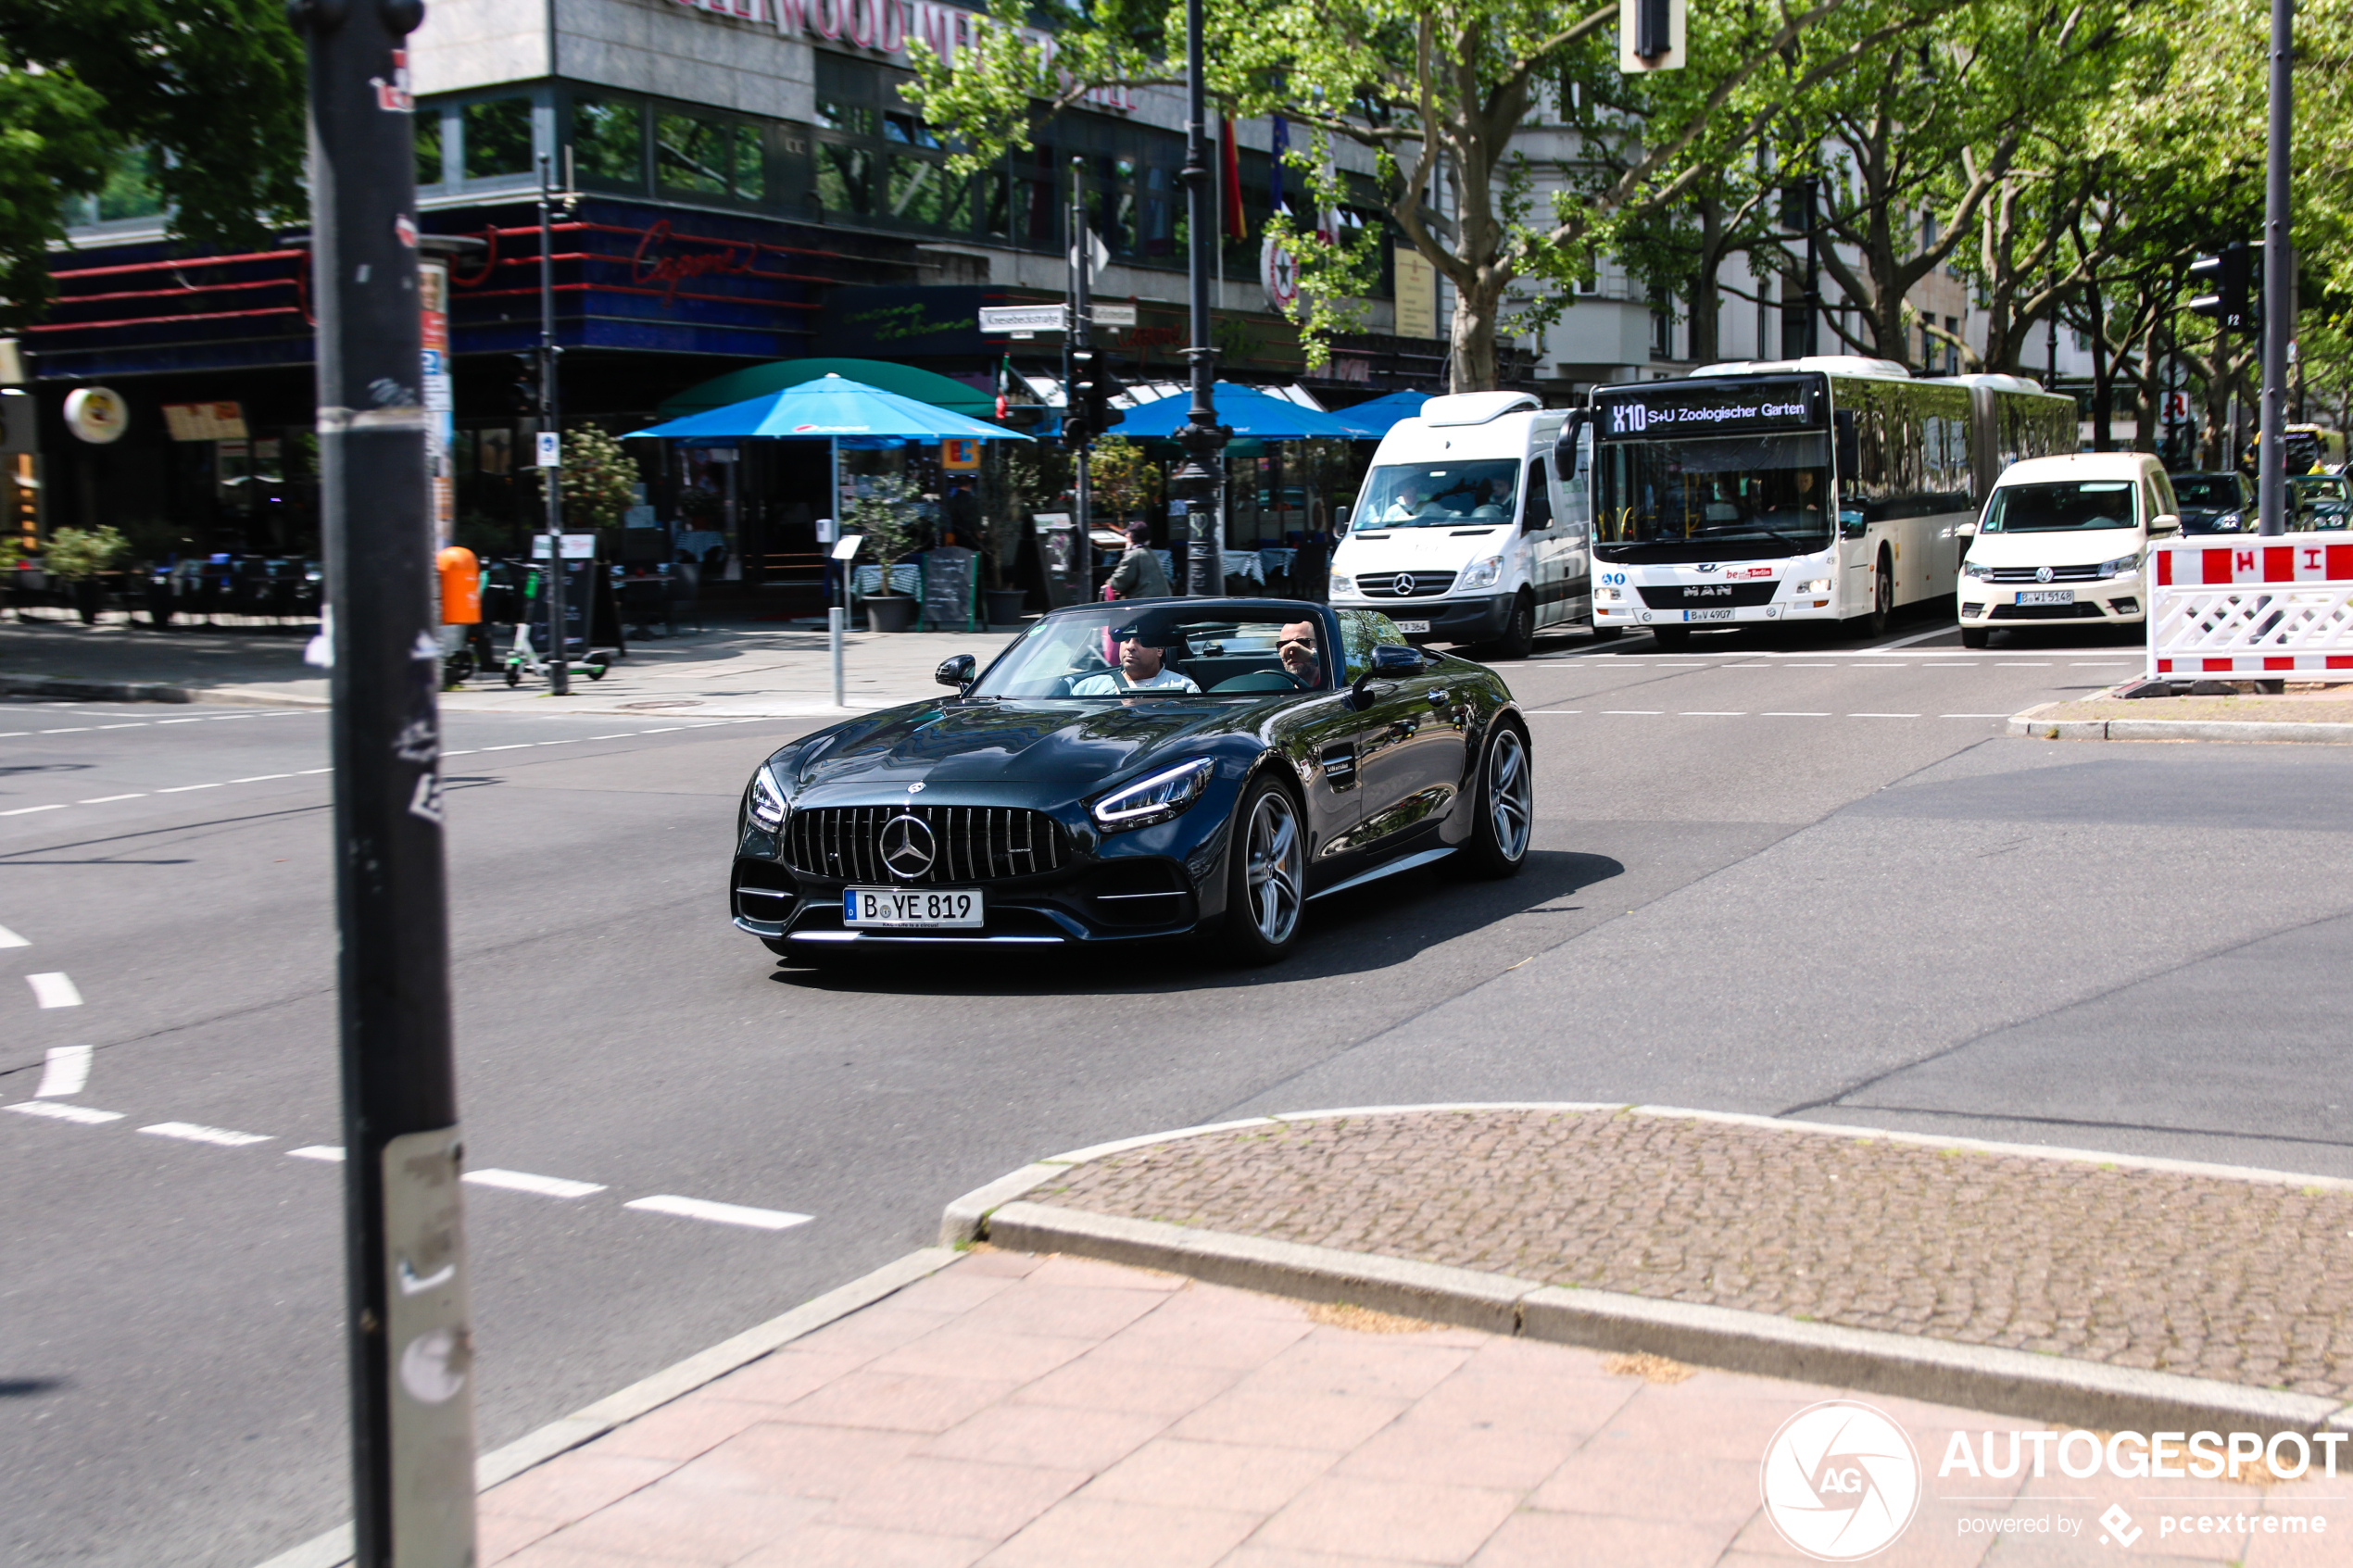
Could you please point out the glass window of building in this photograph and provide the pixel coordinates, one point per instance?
(609, 140)
(703, 156)
(430, 171)
(129, 191)
(497, 138)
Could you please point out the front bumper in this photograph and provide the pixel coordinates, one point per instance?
(1479, 620)
(2116, 600)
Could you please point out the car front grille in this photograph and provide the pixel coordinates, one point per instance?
(1706, 595)
(2086, 610)
(2034, 574)
(1406, 585)
(969, 842)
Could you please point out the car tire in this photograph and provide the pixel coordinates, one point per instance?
(1503, 807)
(1608, 633)
(1671, 639)
(1975, 637)
(1266, 875)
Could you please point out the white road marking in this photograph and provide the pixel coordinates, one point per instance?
(27, 811)
(1797, 716)
(61, 1111)
(102, 800)
(1710, 713)
(719, 1214)
(1883, 716)
(10, 939)
(1796, 666)
(2043, 665)
(12, 734)
(54, 990)
(179, 720)
(631, 735)
(574, 741)
(1630, 712)
(262, 778)
(308, 772)
(524, 1181)
(518, 745)
(190, 1132)
(81, 730)
(666, 729)
(326, 1151)
(1972, 716)
(183, 789)
(136, 724)
(65, 1071)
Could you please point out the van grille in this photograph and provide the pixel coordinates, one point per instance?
(1406, 585)
(969, 842)
(2028, 575)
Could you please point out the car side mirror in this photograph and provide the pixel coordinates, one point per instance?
(1388, 662)
(957, 671)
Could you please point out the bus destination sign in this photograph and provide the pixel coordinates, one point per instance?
(1653, 409)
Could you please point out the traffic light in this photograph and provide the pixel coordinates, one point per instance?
(1092, 386)
(527, 396)
(2236, 273)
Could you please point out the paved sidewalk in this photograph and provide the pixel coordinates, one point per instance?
(1014, 1410)
(2238, 1281)
(2321, 713)
(752, 669)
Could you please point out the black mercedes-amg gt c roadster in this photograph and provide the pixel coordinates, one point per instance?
(1148, 769)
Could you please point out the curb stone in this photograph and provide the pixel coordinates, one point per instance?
(94, 691)
(2028, 725)
(2052, 1388)
(332, 1550)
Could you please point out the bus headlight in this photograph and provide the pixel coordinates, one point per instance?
(1810, 587)
(1608, 595)
(1482, 573)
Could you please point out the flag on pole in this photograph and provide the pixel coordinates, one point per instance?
(1237, 224)
(1278, 144)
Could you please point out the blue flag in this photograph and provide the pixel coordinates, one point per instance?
(1278, 144)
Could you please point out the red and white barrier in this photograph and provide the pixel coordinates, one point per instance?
(2251, 608)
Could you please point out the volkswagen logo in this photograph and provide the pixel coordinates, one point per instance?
(2041, 574)
(907, 846)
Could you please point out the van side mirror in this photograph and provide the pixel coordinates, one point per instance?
(1340, 520)
(956, 671)
(1566, 447)
(1965, 529)
(2165, 523)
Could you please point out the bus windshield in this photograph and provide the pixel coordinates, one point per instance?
(1764, 495)
(1438, 495)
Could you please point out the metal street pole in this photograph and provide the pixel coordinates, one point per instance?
(2279, 280)
(1080, 336)
(405, 1262)
(1200, 477)
(551, 475)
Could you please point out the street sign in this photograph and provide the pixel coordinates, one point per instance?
(549, 451)
(1098, 254)
(1112, 315)
(1022, 318)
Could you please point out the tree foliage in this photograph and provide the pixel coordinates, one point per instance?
(210, 92)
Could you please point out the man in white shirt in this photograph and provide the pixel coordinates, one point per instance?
(1141, 670)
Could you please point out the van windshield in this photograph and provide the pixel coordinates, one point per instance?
(1438, 495)
(2051, 509)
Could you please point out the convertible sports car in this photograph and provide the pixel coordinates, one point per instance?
(1141, 770)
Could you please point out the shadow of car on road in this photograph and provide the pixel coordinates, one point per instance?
(1371, 928)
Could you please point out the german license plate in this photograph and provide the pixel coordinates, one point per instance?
(2047, 596)
(1708, 615)
(909, 906)
(1410, 627)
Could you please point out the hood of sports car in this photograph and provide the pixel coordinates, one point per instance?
(1066, 743)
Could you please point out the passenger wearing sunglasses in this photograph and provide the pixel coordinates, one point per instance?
(1296, 645)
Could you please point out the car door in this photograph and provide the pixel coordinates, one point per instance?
(1409, 734)
(1539, 525)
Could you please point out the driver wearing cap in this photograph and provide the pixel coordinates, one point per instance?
(1140, 668)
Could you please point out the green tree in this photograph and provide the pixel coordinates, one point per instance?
(601, 479)
(886, 514)
(211, 93)
(77, 554)
(1124, 478)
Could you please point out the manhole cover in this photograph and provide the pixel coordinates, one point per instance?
(667, 702)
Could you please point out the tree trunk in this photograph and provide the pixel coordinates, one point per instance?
(1471, 365)
(2103, 372)
(1707, 307)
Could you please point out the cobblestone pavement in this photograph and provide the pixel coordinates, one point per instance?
(1015, 1411)
(2246, 1282)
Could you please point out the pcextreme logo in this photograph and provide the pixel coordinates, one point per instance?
(1841, 1480)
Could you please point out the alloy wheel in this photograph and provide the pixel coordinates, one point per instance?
(1275, 857)
(1511, 805)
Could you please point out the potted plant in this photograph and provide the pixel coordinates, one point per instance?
(1123, 479)
(78, 556)
(886, 515)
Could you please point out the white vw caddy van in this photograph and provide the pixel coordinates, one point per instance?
(2065, 539)
(1464, 532)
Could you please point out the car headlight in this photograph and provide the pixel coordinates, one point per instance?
(1157, 798)
(1976, 569)
(1343, 584)
(1482, 573)
(1812, 586)
(2122, 565)
(767, 805)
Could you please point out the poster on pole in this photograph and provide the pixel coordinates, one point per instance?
(441, 425)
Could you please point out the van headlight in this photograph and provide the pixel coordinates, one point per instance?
(1157, 798)
(2122, 565)
(766, 806)
(1977, 568)
(1481, 573)
(1343, 584)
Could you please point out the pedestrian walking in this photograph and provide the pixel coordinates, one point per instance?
(1139, 575)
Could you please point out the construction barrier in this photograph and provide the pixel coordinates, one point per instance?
(2251, 608)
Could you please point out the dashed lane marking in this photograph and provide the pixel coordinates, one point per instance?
(719, 1214)
(63, 1072)
(58, 1109)
(10, 939)
(262, 778)
(162, 721)
(524, 1181)
(332, 1153)
(1797, 715)
(1630, 712)
(518, 745)
(1709, 713)
(105, 800)
(190, 1132)
(54, 990)
(27, 811)
(79, 730)
(183, 789)
(1883, 716)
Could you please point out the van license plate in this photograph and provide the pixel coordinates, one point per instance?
(1708, 615)
(2047, 596)
(904, 906)
(1412, 627)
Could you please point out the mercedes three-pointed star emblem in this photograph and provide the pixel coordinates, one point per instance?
(907, 846)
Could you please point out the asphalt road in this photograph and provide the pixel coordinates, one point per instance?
(1805, 878)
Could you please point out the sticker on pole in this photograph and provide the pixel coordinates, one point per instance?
(549, 452)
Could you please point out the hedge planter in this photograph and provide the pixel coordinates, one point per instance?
(1005, 606)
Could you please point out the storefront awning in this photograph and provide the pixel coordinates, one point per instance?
(907, 381)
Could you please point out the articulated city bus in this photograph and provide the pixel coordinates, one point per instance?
(1813, 489)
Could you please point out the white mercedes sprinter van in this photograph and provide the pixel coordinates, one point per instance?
(1463, 532)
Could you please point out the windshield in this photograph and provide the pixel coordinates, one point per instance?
(2055, 508)
(2312, 487)
(2219, 491)
(1773, 490)
(1117, 651)
(1438, 495)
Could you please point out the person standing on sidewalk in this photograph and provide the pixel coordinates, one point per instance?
(1139, 575)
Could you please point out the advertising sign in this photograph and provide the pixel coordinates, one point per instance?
(441, 425)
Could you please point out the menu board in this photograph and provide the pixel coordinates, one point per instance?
(948, 588)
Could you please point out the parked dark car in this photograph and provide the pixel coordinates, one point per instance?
(1132, 771)
(2214, 503)
(2319, 501)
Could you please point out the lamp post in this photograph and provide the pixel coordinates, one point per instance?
(1199, 477)
(551, 474)
(2279, 281)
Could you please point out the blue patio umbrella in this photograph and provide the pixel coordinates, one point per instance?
(1249, 411)
(1386, 411)
(833, 408)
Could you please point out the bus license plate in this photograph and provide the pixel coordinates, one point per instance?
(1412, 628)
(2047, 596)
(1708, 615)
(906, 906)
